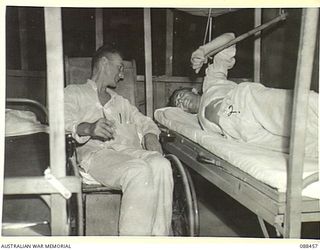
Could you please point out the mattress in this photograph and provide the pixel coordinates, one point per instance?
(20, 122)
(26, 155)
(263, 164)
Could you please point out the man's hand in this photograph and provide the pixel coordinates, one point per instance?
(103, 129)
(152, 143)
(198, 58)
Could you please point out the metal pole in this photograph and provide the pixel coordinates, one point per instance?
(249, 33)
(23, 34)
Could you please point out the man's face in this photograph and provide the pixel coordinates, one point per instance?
(188, 101)
(116, 72)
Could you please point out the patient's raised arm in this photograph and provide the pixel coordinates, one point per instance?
(199, 57)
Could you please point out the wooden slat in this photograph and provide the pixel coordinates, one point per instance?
(308, 34)
(169, 42)
(38, 185)
(183, 79)
(257, 46)
(308, 206)
(177, 79)
(308, 217)
(99, 27)
(23, 35)
(160, 94)
(148, 62)
(25, 73)
(55, 82)
(169, 79)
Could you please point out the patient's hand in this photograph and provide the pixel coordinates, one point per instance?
(198, 58)
(152, 143)
(102, 129)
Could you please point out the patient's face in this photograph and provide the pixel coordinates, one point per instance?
(116, 69)
(187, 101)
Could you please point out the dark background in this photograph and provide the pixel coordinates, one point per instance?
(124, 27)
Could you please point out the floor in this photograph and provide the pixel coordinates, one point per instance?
(222, 216)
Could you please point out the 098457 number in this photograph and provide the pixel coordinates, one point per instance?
(309, 245)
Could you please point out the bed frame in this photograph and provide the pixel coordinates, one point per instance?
(25, 186)
(285, 211)
(266, 202)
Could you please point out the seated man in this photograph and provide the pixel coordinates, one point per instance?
(247, 112)
(120, 147)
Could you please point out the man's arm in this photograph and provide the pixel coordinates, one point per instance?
(151, 142)
(82, 131)
(144, 123)
(199, 57)
(211, 112)
(146, 126)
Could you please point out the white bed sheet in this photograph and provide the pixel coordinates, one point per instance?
(20, 122)
(264, 165)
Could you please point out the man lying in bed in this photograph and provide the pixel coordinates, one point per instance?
(247, 112)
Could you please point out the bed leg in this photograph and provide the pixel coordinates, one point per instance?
(278, 226)
(263, 227)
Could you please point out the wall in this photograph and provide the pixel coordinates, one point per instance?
(26, 84)
(280, 46)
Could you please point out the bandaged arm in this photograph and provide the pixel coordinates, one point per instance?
(199, 57)
(216, 86)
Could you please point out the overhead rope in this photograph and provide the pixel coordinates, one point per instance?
(207, 27)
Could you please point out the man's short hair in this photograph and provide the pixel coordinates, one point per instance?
(104, 51)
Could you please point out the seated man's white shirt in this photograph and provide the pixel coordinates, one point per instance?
(145, 177)
(82, 105)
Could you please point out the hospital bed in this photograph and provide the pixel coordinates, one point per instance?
(281, 189)
(255, 177)
(27, 212)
